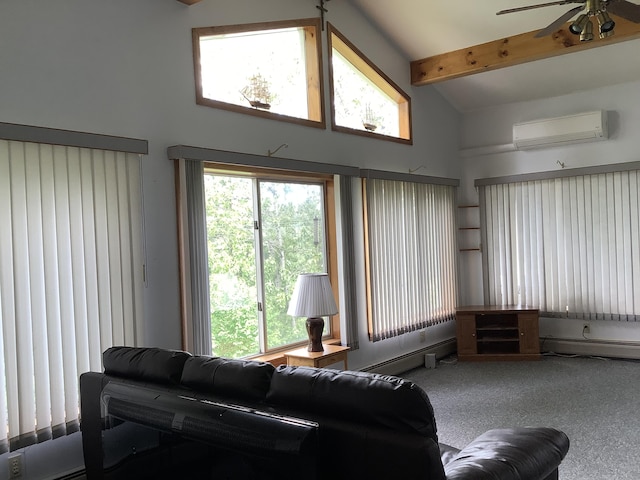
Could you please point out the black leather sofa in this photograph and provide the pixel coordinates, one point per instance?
(157, 413)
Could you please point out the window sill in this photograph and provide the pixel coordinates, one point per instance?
(278, 358)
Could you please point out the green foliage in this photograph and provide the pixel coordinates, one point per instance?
(292, 243)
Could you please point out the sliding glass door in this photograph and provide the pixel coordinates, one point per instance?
(261, 234)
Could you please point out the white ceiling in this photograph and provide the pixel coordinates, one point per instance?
(423, 28)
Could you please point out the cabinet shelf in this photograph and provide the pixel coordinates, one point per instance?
(492, 328)
(497, 340)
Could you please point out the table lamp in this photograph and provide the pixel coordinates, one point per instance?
(313, 298)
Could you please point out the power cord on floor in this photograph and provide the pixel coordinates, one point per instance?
(574, 355)
(453, 361)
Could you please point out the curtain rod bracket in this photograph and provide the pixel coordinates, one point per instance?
(270, 153)
(413, 170)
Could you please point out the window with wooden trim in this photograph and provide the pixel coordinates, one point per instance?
(272, 70)
(365, 101)
(262, 231)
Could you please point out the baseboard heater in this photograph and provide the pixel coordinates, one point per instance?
(415, 359)
(597, 348)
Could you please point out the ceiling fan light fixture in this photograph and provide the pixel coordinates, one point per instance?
(579, 25)
(587, 32)
(605, 22)
(606, 34)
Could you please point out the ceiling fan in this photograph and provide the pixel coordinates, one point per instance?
(583, 25)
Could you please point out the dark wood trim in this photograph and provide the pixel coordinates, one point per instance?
(360, 61)
(311, 27)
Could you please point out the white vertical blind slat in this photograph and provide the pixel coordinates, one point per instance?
(51, 279)
(35, 248)
(6, 294)
(22, 287)
(83, 252)
(9, 308)
(634, 220)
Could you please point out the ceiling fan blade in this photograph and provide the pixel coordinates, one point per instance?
(552, 27)
(539, 5)
(627, 10)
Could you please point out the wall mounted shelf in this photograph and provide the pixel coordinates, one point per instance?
(469, 230)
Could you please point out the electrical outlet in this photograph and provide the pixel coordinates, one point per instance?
(15, 465)
(423, 336)
(586, 329)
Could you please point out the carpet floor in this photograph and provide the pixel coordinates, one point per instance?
(595, 401)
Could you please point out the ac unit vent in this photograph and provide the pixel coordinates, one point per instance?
(552, 132)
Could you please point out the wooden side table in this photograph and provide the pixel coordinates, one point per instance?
(332, 354)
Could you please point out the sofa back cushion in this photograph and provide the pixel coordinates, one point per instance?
(149, 364)
(369, 398)
(244, 379)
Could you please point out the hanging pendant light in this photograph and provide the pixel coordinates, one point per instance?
(587, 32)
(578, 26)
(604, 22)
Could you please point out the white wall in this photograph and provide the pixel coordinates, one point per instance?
(494, 127)
(123, 67)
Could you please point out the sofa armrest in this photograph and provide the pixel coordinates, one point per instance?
(510, 454)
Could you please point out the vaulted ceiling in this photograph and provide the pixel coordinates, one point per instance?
(478, 59)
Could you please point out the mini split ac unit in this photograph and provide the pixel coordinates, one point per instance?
(552, 132)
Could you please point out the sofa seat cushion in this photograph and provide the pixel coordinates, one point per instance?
(245, 379)
(147, 364)
(367, 398)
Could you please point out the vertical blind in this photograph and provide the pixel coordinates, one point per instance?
(199, 317)
(70, 278)
(349, 308)
(411, 236)
(568, 246)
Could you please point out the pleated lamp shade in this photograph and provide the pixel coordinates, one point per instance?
(312, 296)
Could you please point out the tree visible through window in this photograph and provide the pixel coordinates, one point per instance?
(261, 235)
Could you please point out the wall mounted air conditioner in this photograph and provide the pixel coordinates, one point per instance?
(552, 132)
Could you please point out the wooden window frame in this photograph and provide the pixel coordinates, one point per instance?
(376, 76)
(313, 62)
(276, 355)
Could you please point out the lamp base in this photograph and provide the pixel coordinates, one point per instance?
(315, 325)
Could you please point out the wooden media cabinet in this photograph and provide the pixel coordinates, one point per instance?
(492, 332)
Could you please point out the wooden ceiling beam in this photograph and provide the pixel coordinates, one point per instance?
(511, 51)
